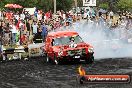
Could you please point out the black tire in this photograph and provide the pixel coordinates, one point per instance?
(47, 59)
(82, 79)
(5, 58)
(2, 59)
(77, 61)
(89, 60)
(56, 60)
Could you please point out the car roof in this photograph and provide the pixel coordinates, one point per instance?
(62, 34)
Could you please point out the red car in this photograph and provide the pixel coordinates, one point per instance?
(64, 46)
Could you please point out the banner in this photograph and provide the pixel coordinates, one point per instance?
(89, 2)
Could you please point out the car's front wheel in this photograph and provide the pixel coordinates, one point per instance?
(56, 60)
(89, 60)
(47, 58)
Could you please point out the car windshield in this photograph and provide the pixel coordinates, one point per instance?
(66, 40)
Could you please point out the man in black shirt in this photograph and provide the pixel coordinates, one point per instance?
(6, 38)
(82, 13)
(28, 25)
(38, 37)
(1, 31)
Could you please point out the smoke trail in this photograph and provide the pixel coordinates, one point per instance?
(108, 43)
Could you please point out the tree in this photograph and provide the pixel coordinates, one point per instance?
(104, 6)
(64, 4)
(4, 2)
(41, 4)
(80, 3)
(124, 4)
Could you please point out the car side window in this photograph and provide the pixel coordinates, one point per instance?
(56, 42)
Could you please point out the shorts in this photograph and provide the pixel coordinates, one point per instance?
(111, 17)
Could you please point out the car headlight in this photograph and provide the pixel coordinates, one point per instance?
(90, 50)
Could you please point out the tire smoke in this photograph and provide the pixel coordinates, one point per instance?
(107, 42)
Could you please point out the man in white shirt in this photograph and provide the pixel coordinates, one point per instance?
(35, 27)
(22, 16)
(16, 16)
(14, 32)
(111, 14)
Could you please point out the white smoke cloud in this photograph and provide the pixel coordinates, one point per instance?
(107, 42)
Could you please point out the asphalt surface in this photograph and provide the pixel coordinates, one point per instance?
(35, 73)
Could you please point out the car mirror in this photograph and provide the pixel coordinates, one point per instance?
(52, 43)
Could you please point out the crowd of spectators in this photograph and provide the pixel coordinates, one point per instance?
(23, 28)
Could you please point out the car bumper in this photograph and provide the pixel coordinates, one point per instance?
(77, 57)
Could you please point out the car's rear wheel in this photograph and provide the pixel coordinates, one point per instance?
(89, 60)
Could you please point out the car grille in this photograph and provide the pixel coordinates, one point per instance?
(76, 52)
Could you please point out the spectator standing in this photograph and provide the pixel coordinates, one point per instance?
(22, 26)
(39, 16)
(82, 13)
(0, 15)
(44, 31)
(57, 24)
(24, 39)
(34, 27)
(7, 36)
(88, 14)
(1, 31)
(1, 27)
(27, 15)
(51, 25)
(111, 14)
(9, 15)
(35, 12)
(17, 16)
(38, 37)
(43, 14)
(28, 26)
(14, 32)
(22, 16)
